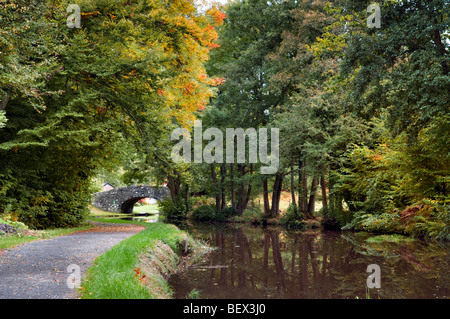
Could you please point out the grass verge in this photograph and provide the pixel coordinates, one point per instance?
(137, 267)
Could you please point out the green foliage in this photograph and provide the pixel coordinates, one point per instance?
(430, 220)
(379, 223)
(193, 294)
(205, 213)
(291, 219)
(228, 212)
(208, 213)
(252, 215)
(427, 219)
(174, 208)
(78, 100)
(15, 224)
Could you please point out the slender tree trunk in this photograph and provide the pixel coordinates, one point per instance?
(233, 195)
(274, 208)
(241, 169)
(249, 191)
(303, 191)
(312, 198)
(186, 196)
(293, 189)
(247, 197)
(324, 196)
(214, 179)
(277, 186)
(266, 198)
(223, 172)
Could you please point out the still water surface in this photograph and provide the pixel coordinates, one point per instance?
(256, 262)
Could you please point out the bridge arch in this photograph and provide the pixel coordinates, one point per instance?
(123, 199)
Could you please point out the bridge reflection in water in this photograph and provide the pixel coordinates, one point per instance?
(251, 262)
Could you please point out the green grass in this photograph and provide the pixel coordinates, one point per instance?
(103, 213)
(113, 274)
(149, 209)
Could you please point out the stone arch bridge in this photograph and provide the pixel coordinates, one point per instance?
(122, 199)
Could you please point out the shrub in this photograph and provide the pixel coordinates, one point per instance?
(252, 215)
(228, 212)
(291, 219)
(427, 219)
(205, 213)
(173, 209)
(380, 223)
(60, 210)
(10, 227)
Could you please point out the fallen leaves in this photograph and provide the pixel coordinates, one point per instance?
(142, 278)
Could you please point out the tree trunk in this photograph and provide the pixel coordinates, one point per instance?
(214, 179)
(240, 204)
(266, 199)
(223, 172)
(249, 191)
(312, 198)
(247, 197)
(324, 196)
(294, 205)
(173, 184)
(277, 185)
(233, 195)
(303, 187)
(186, 196)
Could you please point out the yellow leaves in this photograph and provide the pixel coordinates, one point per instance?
(85, 15)
(328, 42)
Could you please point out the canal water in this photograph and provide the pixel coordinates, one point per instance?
(255, 262)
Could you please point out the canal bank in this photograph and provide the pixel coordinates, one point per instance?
(138, 267)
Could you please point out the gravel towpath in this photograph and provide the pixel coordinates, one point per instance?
(39, 269)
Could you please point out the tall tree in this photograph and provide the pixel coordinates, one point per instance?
(71, 94)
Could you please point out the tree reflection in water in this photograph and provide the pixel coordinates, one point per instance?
(252, 262)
